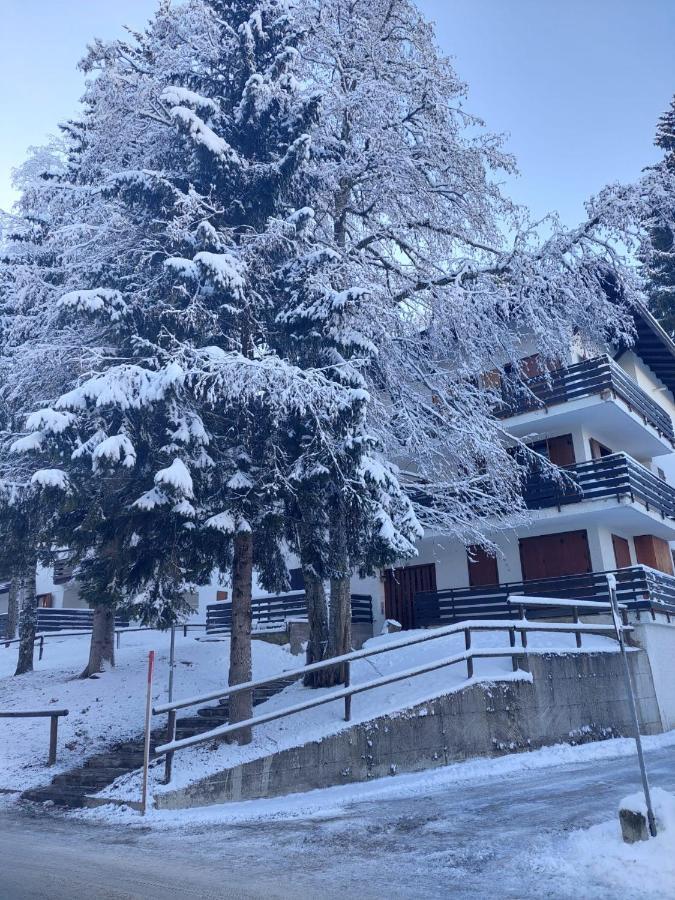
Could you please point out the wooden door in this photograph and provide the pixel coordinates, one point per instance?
(400, 587)
(558, 450)
(555, 555)
(561, 450)
(482, 567)
(621, 551)
(654, 552)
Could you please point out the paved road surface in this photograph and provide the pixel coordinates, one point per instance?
(477, 840)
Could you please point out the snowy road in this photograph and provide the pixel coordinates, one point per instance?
(491, 837)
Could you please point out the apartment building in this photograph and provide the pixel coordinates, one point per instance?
(606, 419)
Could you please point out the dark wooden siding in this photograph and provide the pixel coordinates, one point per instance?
(400, 587)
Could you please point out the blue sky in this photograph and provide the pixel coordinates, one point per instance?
(576, 84)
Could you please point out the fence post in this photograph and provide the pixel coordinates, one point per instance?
(146, 745)
(469, 659)
(577, 634)
(42, 646)
(512, 643)
(611, 580)
(348, 698)
(53, 738)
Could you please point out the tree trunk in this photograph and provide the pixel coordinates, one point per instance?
(241, 669)
(340, 627)
(27, 622)
(317, 617)
(102, 646)
(12, 611)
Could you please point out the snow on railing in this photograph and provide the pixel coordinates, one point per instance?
(517, 626)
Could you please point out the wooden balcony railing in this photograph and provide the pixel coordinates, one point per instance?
(618, 475)
(275, 611)
(639, 587)
(585, 379)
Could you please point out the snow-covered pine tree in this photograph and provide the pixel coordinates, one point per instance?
(182, 174)
(33, 364)
(659, 252)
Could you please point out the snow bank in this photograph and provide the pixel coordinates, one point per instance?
(107, 709)
(598, 855)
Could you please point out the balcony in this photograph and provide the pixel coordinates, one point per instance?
(592, 382)
(616, 476)
(639, 587)
(275, 611)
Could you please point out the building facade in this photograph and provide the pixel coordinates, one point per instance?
(606, 419)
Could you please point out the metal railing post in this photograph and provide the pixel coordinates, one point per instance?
(575, 617)
(467, 647)
(146, 743)
(348, 697)
(512, 643)
(42, 646)
(611, 581)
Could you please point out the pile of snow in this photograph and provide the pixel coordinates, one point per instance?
(194, 763)
(599, 856)
(107, 709)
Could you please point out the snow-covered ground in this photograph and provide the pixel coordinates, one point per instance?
(520, 827)
(542, 823)
(110, 708)
(107, 709)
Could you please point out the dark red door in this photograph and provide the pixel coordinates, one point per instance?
(621, 551)
(400, 587)
(482, 567)
(554, 555)
(561, 450)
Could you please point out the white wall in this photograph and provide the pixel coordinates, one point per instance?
(658, 639)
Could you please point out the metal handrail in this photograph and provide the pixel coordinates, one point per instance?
(345, 693)
(522, 626)
(331, 663)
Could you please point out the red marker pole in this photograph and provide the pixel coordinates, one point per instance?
(146, 748)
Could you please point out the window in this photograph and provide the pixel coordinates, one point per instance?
(297, 580)
(598, 450)
(63, 570)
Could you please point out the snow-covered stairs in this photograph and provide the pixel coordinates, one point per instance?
(70, 789)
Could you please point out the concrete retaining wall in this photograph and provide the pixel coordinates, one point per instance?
(576, 697)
